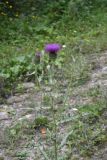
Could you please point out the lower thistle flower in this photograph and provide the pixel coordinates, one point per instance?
(37, 57)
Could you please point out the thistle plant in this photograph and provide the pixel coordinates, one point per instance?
(52, 51)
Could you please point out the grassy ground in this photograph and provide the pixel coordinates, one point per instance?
(80, 109)
(24, 36)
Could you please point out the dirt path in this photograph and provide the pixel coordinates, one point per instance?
(27, 106)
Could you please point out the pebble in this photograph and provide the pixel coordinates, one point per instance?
(3, 116)
(27, 117)
(47, 89)
(27, 86)
(16, 99)
(104, 69)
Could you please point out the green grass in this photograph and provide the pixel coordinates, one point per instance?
(88, 133)
(83, 36)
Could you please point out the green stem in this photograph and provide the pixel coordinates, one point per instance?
(55, 131)
(51, 76)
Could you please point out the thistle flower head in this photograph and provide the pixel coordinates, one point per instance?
(52, 48)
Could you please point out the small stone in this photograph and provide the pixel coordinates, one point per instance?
(104, 82)
(72, 112)
(27, 86)
(28, 117)
(47, 89)
(17, 99)
(3, 116)
(74, 109)
(104, 69)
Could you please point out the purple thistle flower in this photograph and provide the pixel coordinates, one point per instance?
(52, 48)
